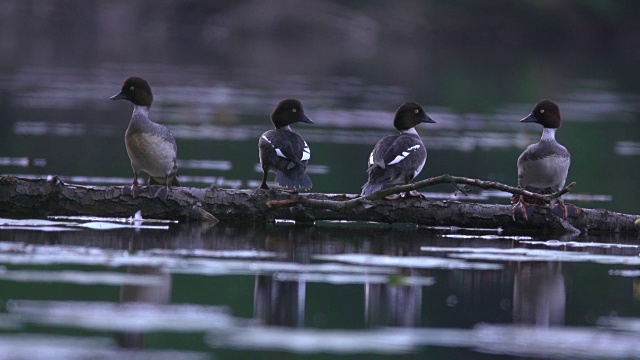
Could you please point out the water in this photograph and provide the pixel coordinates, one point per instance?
(229, 291)
(125, 288)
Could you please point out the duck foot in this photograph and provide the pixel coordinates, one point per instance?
(158, 191)
(566, 210)
(408, 194)
(8, 180)
(290, 191)
(414, 193)
(522, 211)
(133, 190)
(55, 180)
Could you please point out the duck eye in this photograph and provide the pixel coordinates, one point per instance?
(294, 110)
(541, 111)
(416, 111)
(131, 87)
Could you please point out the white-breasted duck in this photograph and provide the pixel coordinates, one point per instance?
(150, 146)
(543, 166)
(283, 151)
(397, 159)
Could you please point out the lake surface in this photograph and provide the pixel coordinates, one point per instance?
(193, 291)
(117, 288)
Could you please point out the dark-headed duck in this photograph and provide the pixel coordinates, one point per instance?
(150, 146)
(283, 151)
(397, 159)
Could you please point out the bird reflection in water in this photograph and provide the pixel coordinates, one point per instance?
(281, 300)
(160, 294)
(539, 294)
(393, 305)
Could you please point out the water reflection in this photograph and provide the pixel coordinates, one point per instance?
(158, 294)
(282, 300)
(278, 302)
(393, 305)
(539, 294)
(283, 277)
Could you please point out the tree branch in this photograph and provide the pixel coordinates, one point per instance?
(442, 179)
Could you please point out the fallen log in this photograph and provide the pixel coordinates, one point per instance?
(24, 197)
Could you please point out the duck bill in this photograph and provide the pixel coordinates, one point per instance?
(305, 119)
(529, 118)
(118, 96)
(427, 119)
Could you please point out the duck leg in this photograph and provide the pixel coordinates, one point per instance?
(521, 209)
(265, 172)
(157, 190)
(134, 190)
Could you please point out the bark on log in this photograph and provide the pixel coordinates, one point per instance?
(22, 197)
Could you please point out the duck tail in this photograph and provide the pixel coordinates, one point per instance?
(295, 178)
(369, 188)
(173, 181)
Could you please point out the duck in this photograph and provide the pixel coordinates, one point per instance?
(150, 146)
(543, 167)
(397, 159)
(283, 151)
